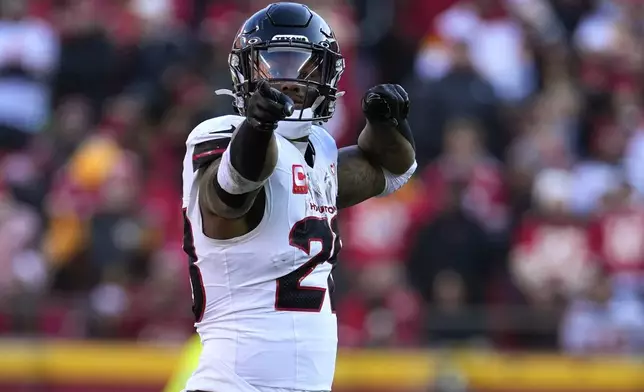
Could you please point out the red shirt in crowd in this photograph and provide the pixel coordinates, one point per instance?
(380, 230)
(617, 239)
(551, 254)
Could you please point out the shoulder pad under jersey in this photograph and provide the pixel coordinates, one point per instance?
(213, 128)
(209, 140)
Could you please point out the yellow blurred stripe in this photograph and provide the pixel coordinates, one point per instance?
(551, 372)
(82, 362)
(366, 368)
(106, 363)
(18, 361)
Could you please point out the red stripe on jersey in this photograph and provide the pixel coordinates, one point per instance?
(208, 153)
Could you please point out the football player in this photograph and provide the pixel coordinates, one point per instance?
(261, 193)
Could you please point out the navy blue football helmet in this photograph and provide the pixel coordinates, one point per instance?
(288, 44)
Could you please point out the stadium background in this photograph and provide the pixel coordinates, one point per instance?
(511, 262)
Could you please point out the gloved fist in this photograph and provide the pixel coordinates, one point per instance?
(267, 106)
(388, 103)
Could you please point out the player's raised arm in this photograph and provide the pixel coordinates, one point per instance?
(384, 158)
(228, 187)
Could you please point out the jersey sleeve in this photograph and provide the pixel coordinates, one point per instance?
(208, 151)
(213, 129)
(208, 141)
(205, 144)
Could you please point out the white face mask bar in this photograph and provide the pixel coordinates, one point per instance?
(225, 91)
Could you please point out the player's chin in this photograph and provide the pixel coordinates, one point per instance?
(298, 99)
(302, 99)
(301, 105)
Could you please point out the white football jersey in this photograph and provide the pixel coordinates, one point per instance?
(262, 300)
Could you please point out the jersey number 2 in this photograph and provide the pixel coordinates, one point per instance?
(290, 295)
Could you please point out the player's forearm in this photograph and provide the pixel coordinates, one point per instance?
(253, 152)
(389, 146)
(247, 162)
(228, 187)
(358, 178)
(215, 200)
(381, 163)
(252, 155)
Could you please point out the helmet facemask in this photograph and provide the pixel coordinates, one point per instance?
(308, 73)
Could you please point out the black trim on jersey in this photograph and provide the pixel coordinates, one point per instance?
(309, 155)
(196, 281)
(231, 130)
(208, 152)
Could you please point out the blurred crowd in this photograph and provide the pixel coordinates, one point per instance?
(523, 228)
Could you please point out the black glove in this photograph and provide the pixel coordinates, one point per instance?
(386, 103)
(267, 106)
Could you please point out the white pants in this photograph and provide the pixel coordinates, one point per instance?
(220, 378)
(266, 389)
